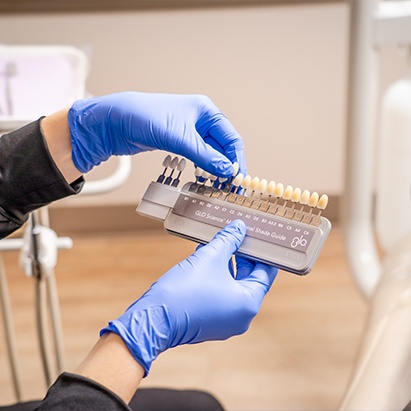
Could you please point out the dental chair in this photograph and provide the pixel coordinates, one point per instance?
(379, 247)
(36, 81)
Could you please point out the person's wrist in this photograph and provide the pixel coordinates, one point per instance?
(111, 364)
(56, 132)
(144, 329)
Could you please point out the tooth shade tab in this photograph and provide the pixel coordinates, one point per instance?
(238, 180)
(271, 188)
(259, 194)
(205, 175)
(174, 162)
(322, 202)
(305, 197)
(313, 201)
(181, 165)
(279, 190)
(167, 161)
(254, 183)
(246, 182)
(262, 186)
(236, 167)
(288, 192)
(296, 195)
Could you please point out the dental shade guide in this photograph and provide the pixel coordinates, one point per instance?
(279, 232)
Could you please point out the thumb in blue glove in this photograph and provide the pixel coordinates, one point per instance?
(197, 300)
(130, 122)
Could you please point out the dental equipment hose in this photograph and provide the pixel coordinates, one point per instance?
(45, 287)
(54, 305)
(40, 301)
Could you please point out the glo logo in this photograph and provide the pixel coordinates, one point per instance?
(299, 241)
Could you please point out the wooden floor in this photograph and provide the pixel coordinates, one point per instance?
(297, 354)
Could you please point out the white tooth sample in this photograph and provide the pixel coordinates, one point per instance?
(238, 180)
(305, 196)
(181, 165)
(222, 180)
(198, 172)
(288, 192)
(271, 188)
(322, 202)
(254, 183)
(236, 167)
(167, 161)
(312, 202)
(262, 186)
(205, 175)
(296, 196)
(174, 162)
(246, 182)
(279, 190)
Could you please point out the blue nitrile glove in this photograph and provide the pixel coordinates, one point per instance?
(130, 122)
(197, 300)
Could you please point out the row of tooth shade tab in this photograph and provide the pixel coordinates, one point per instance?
(270, 197)
(170, 166)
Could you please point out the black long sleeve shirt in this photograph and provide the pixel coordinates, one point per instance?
(30, 179)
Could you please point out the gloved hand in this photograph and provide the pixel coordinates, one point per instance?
(130, 122)
(197, 300)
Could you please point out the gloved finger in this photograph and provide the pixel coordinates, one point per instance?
(226, 242)
(212, 122)
(224, 133)
(236, 154)
(231, 267)
(259, 281)
(232, 153)
(204, 155)
(244, 267)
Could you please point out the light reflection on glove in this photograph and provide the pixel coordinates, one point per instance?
(198, 300)
(130, 122)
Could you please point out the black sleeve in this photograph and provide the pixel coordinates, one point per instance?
(73, 392)
(29, 178)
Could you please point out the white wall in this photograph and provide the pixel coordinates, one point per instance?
(278, 72)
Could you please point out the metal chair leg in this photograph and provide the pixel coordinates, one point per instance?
(9, 332)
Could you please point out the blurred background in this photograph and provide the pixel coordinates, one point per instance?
(278, 70)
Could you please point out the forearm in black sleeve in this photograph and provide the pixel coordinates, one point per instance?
(29, 178)
(74, 392)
